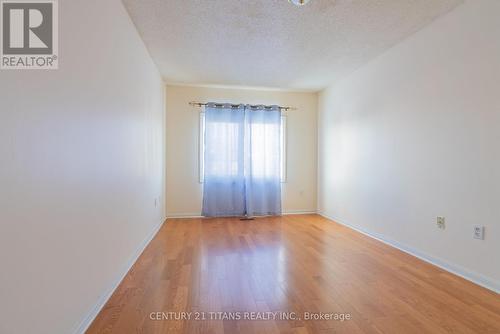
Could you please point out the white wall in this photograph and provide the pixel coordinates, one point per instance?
(184, 192)
(415, 134)
(81, 162)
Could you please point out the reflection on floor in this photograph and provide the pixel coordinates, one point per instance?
(209, 275)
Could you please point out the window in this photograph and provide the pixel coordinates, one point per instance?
(258, 128)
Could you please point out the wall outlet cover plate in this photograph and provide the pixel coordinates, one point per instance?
(478, 232)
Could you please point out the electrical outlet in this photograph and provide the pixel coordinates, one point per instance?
(156, 202)
(478, 232)
(440, 222)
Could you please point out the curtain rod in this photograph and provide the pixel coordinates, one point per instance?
(200, 104)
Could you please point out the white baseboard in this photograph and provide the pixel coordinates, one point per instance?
(197, 214)
(478, 279)
(91, 315)
(184, 215)
(299, 212)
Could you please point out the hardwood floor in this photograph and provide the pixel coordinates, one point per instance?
(289, 264)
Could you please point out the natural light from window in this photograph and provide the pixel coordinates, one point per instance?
(262, 161)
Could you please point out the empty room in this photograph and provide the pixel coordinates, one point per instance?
(250, 166)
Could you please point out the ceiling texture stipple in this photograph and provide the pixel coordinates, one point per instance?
(272, 43)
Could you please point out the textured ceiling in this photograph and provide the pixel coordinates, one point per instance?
(272, 43)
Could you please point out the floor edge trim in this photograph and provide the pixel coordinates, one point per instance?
(197, 215)
(92, 314)
(451, 268)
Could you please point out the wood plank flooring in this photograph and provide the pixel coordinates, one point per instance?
(222, 268)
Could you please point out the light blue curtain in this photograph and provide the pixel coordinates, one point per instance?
(242, 161)
(224, 179)
(262, 161)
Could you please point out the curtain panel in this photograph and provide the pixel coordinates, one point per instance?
(242, 159)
